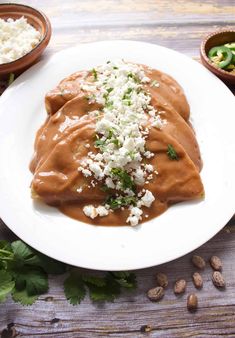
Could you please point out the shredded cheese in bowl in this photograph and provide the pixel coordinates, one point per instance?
(17, 38)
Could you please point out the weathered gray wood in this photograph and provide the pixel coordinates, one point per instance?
(124, 317)
(180, 25)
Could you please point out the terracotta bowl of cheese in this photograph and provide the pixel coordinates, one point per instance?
(39, 21)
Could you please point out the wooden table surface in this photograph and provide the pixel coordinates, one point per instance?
(180, 25)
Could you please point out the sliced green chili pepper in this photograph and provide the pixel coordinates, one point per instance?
(221, 56)
(231, 46)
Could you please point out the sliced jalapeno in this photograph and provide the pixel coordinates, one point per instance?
(221, 56)
(231, 46)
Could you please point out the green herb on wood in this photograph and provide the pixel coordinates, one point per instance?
(24, 275)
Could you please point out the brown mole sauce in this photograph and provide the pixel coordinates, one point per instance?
(61, 144)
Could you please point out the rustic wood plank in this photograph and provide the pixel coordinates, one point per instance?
(124, 317)
(180, 25)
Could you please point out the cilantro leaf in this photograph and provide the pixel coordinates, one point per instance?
(172, 153)
(104, 188)
(125, 179)
(108, 292)
(6, 285)
(127, 93)
(6, 254)
(125, 279)
(118, 202)
(23, 254)
(99, 144)
(50, 266)
(116, 142)
(94, 73)
(134, 77)
(154, 83)
(22, 297)
(97, 281)
(34, 281)
(74, 288)
(23, 273)
(5, 245)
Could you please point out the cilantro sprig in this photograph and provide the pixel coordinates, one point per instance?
(171, 153)
(24, 274)
(105, 288)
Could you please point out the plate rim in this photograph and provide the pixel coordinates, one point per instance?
(7, 220)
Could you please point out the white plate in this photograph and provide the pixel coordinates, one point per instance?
(181, 229)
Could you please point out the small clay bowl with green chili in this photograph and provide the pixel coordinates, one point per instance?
(218, 39)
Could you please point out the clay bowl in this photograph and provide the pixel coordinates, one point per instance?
(39, 21)
(216, 39)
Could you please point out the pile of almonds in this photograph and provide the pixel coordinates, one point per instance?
(157, 293)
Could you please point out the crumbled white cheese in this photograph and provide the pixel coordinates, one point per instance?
(92, 212)
(147, 199)
(102, 211)
(96, 169)
(85, 172)
(122, 127)
(17, 38)
(135, 216)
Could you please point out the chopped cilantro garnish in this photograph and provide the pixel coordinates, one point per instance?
(154, 83)
(134, 77)
(104, 188)
(99, 144)
(109, 90)
(109, 104)
(116, 142)
(105, 96)
(127, 102)
(110, 134)
(124, 178)
(132, 155)
(94, 73)
(118, 202)
(115, 67)
(127, 93)
(172, 153)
